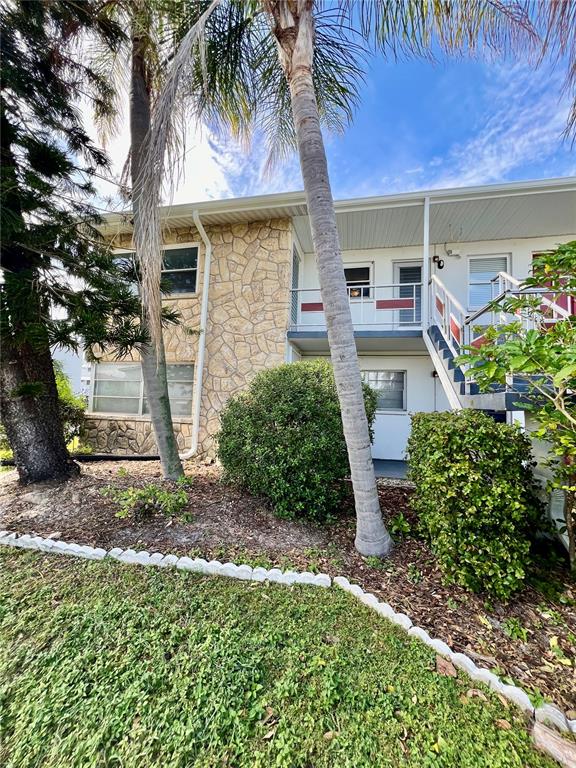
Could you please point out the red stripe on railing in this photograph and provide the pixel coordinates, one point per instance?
(455, 329)
(395, 304)
(440, 306)
(479, 341)
(312, 306)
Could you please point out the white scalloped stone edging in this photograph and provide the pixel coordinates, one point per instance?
(546, 713)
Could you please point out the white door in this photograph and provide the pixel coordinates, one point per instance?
(392, 423)
(391, 433)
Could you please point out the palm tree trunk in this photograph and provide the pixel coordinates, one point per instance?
(294, 31)
(153, 359)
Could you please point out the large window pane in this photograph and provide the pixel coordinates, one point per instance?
(180, 372)
(389, 387)
(179, 282)
(118, 371)
(116, 405)
(117, 388)
(355, 278)
(180, 389)
(180, 258)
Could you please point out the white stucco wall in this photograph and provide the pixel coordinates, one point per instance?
(455, 272)
(423, 393)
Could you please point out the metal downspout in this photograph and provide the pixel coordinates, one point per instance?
(199, 366)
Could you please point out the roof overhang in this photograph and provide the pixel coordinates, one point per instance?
(494, 212)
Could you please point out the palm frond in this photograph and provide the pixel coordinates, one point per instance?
(557, 19)
(415, 27)
(147, 228)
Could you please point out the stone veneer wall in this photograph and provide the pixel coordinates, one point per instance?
(248, 308)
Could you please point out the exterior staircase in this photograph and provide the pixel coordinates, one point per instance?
(451, 329)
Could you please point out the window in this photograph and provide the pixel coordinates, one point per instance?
(118, 388)
(390, 387)
(179, 269)
(356, 279)
(482, 270)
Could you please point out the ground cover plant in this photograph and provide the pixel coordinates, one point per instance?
(476, 498)
(282, 438)
(225, 523)
(104, 664)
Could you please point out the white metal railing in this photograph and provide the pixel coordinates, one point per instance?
(448, 314)
(503, 286)
(458, 328)
(378, 307)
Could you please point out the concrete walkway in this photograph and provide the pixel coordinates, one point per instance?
(390, 468)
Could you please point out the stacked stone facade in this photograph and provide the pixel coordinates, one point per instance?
(248, 308)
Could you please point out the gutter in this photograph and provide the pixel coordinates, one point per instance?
(199, 366)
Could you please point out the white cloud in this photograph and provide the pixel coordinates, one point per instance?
(213, 168)
(523, 127)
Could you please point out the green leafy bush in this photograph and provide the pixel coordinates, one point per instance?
(282, 438)
(143, 503)
(475, 496)
(72, 407)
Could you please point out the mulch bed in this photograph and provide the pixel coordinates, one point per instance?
(230, 524)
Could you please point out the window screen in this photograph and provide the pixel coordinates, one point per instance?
(179, 269)
(482, 270)
(118, 388)
(356, 279)
(390, 388)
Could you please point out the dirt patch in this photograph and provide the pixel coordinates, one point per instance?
(531, 640)
(77, 510)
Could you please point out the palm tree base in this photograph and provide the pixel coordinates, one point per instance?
(381, 547)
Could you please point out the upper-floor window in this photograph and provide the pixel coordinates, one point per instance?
(358, 281)
(390, 387)
(179, 268)
(482, 271)
(118, 388)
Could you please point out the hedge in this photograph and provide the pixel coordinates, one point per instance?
(282, 439)
(475, 496)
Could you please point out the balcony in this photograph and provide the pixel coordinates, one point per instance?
(380, 314)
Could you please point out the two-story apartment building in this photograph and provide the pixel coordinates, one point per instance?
(242, 273)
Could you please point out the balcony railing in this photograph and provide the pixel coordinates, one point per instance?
(395, 306)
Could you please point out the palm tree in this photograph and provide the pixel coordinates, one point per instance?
(146, 54)
(313, 77)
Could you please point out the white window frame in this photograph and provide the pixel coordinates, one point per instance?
(361, 265)
(140, 413)
(404, 372)
(172, 247)
(471, 257)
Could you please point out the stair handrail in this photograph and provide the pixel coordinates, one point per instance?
(447, 312)
(504, 280)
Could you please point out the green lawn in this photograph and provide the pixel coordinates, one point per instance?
(104, 664)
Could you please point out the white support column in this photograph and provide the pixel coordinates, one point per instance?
(426, 267)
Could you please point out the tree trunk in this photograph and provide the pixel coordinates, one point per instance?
(28, 395)
(153, 363)
(294, 31)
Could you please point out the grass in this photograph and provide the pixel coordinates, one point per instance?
(103, 664)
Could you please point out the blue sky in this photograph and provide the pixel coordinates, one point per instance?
(420, 125)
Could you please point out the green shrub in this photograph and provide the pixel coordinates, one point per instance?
(144, 503)
(282, 439)
(72, 406)
(475, 496)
